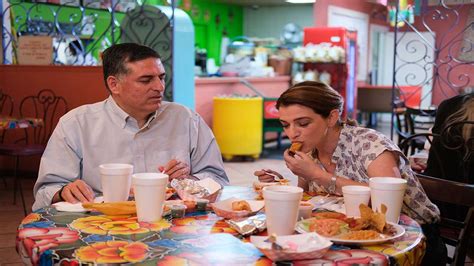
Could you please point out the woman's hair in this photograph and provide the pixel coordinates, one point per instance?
(317, 96)
(465, 113)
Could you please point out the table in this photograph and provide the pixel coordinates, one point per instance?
(8, 122)
(65, 238)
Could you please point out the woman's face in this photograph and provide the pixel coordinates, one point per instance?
(302, 124)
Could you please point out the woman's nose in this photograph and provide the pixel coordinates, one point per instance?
(291, 132)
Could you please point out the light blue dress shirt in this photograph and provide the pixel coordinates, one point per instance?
(99, 133)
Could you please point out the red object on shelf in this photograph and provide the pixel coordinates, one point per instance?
(343, 75)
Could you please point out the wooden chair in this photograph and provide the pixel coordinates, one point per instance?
(458, 194)
(6, 108)
(410, 121)
(47, 106)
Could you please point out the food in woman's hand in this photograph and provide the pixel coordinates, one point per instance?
(241, 205)
(295, 146)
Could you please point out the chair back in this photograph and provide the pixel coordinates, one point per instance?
(458, 194)
(458, 137)
(47, 106)
(6, 108)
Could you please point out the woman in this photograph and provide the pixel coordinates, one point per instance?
(455, 161)
(335, 153)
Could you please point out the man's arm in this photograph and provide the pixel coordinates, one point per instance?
(206, 158)
(59, 166)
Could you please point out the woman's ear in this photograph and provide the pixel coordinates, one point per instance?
(333, 117)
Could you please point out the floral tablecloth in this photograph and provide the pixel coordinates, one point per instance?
(7, 122)
(49, 237)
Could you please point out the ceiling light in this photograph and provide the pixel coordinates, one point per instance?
(301, 1)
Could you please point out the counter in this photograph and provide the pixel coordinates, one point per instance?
(208, 88)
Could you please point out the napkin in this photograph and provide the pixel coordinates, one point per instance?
(63, 206)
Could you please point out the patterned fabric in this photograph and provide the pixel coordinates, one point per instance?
(358, 147)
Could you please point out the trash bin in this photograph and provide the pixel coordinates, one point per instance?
(237, 126)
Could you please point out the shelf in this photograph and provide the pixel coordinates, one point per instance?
(319, 63)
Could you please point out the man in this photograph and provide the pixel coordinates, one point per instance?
(132, 126)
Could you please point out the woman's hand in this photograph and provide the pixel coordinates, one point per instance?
(303, 166)
(267, 175)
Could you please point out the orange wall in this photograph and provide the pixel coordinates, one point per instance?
(78, 85)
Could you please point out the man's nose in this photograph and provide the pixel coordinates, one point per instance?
(159, 85)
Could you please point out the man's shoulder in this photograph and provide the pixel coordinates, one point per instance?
(83, 111)
(177, 108)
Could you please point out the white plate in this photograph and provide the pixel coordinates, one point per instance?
(309, 246)
(63, 206)
(399, 231)
(332, 203)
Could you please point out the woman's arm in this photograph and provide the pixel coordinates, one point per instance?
(385, 165)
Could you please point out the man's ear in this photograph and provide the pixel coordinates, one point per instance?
(112, 82)
(333, 117)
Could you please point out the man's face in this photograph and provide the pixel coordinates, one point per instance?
(140, 91)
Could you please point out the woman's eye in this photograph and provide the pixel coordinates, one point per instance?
(284, 125)
(303, 124)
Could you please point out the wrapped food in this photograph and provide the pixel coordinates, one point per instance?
(191, 190)
(250, 225)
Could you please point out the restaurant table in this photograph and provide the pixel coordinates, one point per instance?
(9, 122)
(50, 237)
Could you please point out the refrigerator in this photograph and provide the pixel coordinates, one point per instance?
(343, 74)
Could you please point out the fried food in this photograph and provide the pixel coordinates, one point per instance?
(327, 214)
(370, 219)
(295, 146)
(361, 235)
(241, 205)
(113, 208)
(328, 226)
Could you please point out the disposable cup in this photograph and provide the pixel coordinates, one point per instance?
(353, 197)
(281, 208)
(388, 191)
(150, 195)
(116, 180)
(305, 210)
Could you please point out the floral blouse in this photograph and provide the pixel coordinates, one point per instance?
(358, 147)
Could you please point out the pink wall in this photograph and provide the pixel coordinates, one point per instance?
(321, 10)
(445, 31)
(449, 33)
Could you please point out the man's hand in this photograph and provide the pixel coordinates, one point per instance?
(176, 169)
(77, 191)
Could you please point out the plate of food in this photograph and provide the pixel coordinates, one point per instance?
(258, 186)
(371, 228)
(236, 208)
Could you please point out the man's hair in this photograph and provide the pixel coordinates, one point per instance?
(115, 58)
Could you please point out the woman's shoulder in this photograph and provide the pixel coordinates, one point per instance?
(366, 139)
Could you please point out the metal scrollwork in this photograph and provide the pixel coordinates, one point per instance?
(440, 61)
(81, 32)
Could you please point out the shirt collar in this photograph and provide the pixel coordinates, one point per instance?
(124, 117)
(118, 112)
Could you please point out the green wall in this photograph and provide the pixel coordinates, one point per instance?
(210, 21)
